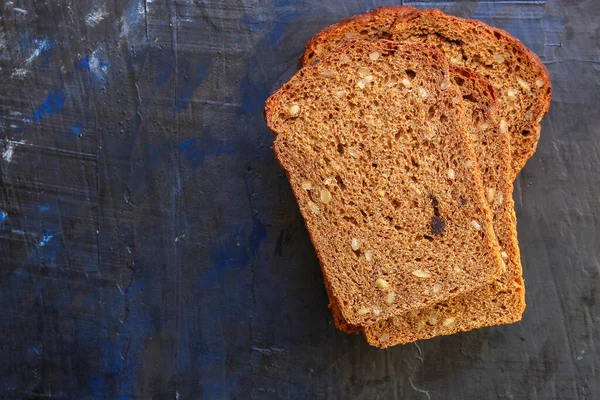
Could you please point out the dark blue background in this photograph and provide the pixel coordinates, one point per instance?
(150, 246)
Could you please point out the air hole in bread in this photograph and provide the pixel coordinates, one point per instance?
(525, 132)
(352, 220)
(431, 112)
(340, 182)
(410, 74)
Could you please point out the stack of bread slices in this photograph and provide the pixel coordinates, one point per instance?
(401, 137)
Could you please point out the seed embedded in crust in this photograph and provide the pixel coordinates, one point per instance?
(350, 35)
(476, 225)
(306, 185)
(382, 284)
(504, 255)
(491, 194)
(449, 321)
(433, 318)
(396, 321)
(454, 61)
(511, 94)
(421, 274)
(327, 73)
(436, 288)
(381, 192)
(325, 196)
(406, 83)
(523, 83)
(385, 337)
(444, 85)
(528, 116)
(363, 72)
(352, 152)
(294, 110)
(374, 56)
(503, 126)
(363, 310)
(314, 208)
(391, 296)
(365, 81)
(450, 174)
(422, 92)
(340, 93)
(539, 83)
(499, 58)
(499, 199)
(376, 310)
(355, 244)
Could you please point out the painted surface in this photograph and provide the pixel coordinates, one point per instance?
(150, 246)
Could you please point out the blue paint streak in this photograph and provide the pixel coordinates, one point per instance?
(75, 132)
(254, 97)
(3, 216)
(187, 91)
(46, 239)
(162, 78)
(44, 207)
(259, 232)
(54, 103)
(47, 248)
(95, 65)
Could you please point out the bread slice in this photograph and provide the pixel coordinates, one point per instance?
(374, 144)
(521, 81)
(498, 303)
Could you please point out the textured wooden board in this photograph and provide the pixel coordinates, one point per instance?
(150, 246)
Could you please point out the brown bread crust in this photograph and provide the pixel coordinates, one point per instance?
(498, 303)
(372, 25)
(367, 138)
(521, 81)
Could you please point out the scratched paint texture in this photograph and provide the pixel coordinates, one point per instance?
(150, 246)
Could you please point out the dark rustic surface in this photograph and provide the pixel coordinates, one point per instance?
(150, 246)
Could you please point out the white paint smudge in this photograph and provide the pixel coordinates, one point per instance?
(98, 68)
(41, 45)
(96, 16)
(9, 149)
(19, 73)
(131, 19)
(20, 10)
(8, 152)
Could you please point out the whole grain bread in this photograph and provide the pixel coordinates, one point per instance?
(500, 302)
(521, 81)
(374, 144)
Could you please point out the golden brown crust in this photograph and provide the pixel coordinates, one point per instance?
(379, 20)
(460, 38)
(504, 300)
(500, 302)
(415, 258)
